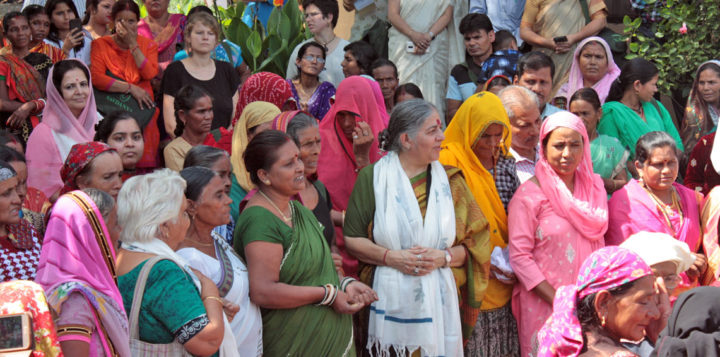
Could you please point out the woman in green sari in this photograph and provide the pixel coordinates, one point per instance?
(305, 306)
(630, 110)
(609, 157)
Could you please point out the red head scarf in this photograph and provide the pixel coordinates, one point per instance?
(80, 156)
(264, 87)
(337, 166)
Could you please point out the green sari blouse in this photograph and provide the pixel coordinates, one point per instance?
(623, 123)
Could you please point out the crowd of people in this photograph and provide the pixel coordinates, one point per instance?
(427, 189)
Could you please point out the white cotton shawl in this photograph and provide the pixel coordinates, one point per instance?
(228, 348)
(413, 312)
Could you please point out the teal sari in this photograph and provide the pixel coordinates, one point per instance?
(609, 157)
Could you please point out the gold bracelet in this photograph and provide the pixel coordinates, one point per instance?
(214, 298)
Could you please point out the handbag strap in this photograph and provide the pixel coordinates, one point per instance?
(585, 10)
(138, 296)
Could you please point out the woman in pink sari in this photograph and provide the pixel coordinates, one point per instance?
(556, 219)
(164, 28)
(656, 203)
(593, 67)
(349, 134)
(77, 271)
(68, 118)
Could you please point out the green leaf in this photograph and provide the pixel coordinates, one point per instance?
(659, 35)
(254, 44)
(634, 47)
(274, 21)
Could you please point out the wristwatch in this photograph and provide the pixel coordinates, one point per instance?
(448, 258)
(432, 35)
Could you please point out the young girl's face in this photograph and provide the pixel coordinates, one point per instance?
(39, 26)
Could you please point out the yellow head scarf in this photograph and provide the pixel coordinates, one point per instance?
(254, 114)
(468, 124)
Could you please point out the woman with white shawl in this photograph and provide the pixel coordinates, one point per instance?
(421, 239)
(152, 212)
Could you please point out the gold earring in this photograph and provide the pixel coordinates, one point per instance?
(267, 182)
(602, 321)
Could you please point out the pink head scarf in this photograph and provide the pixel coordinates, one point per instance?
(575, 80)
(587, 208)
(59, 118)
(336, 166)
(78, 255)
(604, 269)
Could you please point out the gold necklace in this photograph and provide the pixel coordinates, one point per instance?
(675, 205)
(284, 217)
(201, 243)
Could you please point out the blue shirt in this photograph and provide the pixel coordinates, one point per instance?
(504, 14)
(261, 9)
(500, 63)
(549, 110)
(220, 54)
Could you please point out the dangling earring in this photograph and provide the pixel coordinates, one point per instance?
(602, 321)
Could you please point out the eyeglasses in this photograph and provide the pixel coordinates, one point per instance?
(671, 280)
(311, 58)
(312, 14)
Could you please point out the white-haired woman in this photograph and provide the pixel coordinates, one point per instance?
(152, 212)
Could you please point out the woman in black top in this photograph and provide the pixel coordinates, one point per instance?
(218, 78)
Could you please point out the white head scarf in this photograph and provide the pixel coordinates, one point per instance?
(655, 248)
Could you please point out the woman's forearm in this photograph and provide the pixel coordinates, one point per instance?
(138, 57)
(396, 20)
(443, 21)
(591, 29)
(366, 251)
(545, 291)
(529, 36)
(276, 295)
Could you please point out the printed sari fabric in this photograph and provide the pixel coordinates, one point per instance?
(608, 156)
(263, 87)
(24, 83)
(166, 50)
(306, 330)
(471, 229)
(701, 174)
(623, 123)
(19, 252)
(700, 118)
(632, 210)
(77, 271)
(552, 18)
(319, 103)
(21, 296)
(55, 54)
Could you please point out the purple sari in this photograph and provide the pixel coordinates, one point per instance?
(319, 102)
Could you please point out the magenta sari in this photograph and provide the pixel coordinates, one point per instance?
(166, 50)
(632, 210)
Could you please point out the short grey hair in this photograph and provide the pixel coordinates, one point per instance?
(407, 117)
(514, 97)
(298, 123)
(147, 201)
(103, 201)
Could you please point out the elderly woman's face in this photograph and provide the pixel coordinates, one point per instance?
(156, 7)
(589, 115)
(593, 62)
(709, 86)
(487, 144)
(75, 89)
(213, 206)
(22, 174)
(564, 151)
(287, 174)
(199, 119)
(309, 139)
(105, 174)
(223, 168)
(668, 271)
(10, 203)
(660, 170)
(18, 32)
(629, 314)
(347, 122)
(175, 231)
(312, 61)
(315, 20)
(114, 229)
(427, 143)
